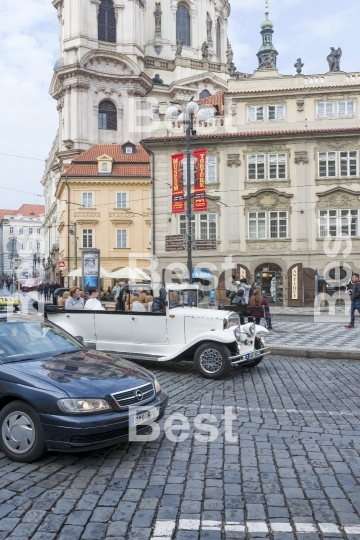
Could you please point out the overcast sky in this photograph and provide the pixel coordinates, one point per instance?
(29, 49)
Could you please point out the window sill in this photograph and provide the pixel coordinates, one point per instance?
(322, 238)
(268, 239)
(337, 180)
(122, 209)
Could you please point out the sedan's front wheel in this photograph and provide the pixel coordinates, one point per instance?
(212, 360)
(21, 432)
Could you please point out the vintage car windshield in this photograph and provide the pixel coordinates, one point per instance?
(31, 339)
(181, 298)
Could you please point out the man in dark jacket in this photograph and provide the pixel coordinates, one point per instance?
(355, 300)
(158, 306)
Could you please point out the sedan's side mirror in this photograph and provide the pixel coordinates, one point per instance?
(162, 294)
(80, 339)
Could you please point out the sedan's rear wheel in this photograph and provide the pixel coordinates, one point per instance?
(212, 360)
(21, 432)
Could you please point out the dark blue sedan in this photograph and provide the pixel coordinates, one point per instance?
(57, 395)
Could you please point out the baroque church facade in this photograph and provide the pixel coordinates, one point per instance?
(120, 65)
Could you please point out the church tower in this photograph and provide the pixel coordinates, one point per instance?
(122, 62)
(267, 54)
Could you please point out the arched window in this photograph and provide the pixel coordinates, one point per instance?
(107, 22)
(183, 25)
(107, 116)
(205, 93)
(218, 40)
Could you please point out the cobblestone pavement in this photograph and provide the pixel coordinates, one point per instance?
(290, 471)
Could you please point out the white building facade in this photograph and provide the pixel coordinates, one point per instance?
(121, 64)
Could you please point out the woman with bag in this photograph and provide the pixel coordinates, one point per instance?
(259, 301)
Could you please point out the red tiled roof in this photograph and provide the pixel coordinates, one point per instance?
(296, 89)
(88, 169)
(25, 210)
(217, 101)
(247, 134)
(114, 151)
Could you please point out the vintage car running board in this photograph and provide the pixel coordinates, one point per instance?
(137, 356)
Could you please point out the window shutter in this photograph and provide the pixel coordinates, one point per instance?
(321, 110)
(211, 170)
(251, 114)
(280, 112)
(259, 113)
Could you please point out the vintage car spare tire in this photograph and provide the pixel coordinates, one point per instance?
(212, 360)
(21, 432)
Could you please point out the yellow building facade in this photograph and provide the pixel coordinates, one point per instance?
(105, 203)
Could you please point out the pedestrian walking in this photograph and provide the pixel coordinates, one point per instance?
(259, 301)
(355, 299)
(46, 290)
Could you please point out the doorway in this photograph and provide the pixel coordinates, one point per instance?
(269, 278)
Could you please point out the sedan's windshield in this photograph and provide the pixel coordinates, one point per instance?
(30, 339)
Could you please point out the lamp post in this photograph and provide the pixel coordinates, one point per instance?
(73, 231)
(186, 117)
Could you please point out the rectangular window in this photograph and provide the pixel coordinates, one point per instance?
(325, 109)
(211, 176)
(121, 200)
(256, 167)
(121, 238)
(339, 223)
(346, 108)
(278, 224)
(38, 246)
(208, 229)
(102, 121)
(38, 231)
(327, 164)
(257, 224)
(128, 150)
(30, 246)
(87, 200)
(255, 114)
(87, 237)
(276, 112)
(22, 245)
(11, 231)
(21, 230)
(349, 163)
(31, 230)
(183, 225)
(277, 166)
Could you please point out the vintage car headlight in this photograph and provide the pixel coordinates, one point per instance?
(231, 320)
(157, 386)
(74, 406)
(249, 329)
(237, 333)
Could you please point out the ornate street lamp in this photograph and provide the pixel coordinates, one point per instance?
(186, 117)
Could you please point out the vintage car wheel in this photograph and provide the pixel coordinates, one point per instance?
(21, 432)
(212, 360)
(256, 362)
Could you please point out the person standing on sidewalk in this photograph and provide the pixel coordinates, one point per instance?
(355, 300)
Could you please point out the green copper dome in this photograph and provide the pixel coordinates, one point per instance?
(267, 24)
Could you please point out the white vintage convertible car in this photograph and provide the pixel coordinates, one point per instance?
(213, 339)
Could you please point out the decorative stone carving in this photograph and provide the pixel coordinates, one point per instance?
(209, 25)
(268, 62)
(334, 58)
(179, 47)
(268, 246)
(300, 105)
(229, 54)
(234, 160)
(338, 198)
(298, 65)
(301, 157)
(158, 13)
(205, 51)
(268, 147)
(267, 199)
(340, 143)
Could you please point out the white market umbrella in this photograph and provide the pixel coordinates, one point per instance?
(130, 273)
(78, 273)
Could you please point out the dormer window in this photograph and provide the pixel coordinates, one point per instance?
(129, 148)
(105, 164)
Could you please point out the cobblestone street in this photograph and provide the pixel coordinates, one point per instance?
(289, 469)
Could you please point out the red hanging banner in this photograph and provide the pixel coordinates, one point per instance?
(200, 202)
(178, 200)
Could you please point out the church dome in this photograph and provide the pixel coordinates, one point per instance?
(267, 24)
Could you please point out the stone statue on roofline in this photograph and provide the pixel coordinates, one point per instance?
(298, 65)
(229, 54)
(334, 58)
(179, 47)
(205, 51)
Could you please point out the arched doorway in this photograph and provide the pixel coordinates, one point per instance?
(270, 280)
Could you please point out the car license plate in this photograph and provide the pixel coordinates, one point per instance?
(144, 417)
(253, 355)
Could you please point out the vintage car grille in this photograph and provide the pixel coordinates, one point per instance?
(136, 396)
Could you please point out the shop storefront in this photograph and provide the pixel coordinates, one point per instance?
(270, 280)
